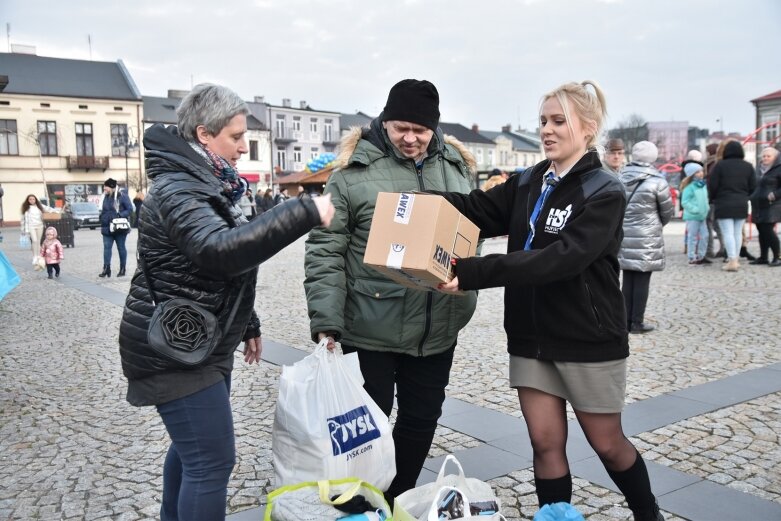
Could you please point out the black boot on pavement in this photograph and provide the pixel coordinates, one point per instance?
(745, 254)
(121, 272)
(758, 261)
(774, 263)
(106, 272)
(638, 328)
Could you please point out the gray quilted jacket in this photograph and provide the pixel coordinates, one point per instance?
(648, 210)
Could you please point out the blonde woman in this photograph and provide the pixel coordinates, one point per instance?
(564, 221)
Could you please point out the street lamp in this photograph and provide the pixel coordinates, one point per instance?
(128, 144)
(40, 158)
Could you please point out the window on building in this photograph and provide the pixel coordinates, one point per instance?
(313, 125)
(282, 158)
(84, 140)
(297, 123)
(770, 133)
(491, 158)
(47, 138)
(479, 156)
(328, 130)
(315, 153)
(9, 141)
(296, 154)
(253, 150)
(280, 125)
(118, 139)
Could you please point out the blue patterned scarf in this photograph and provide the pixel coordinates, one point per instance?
(233, 185)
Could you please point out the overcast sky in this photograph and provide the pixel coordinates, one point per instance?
(695, 61)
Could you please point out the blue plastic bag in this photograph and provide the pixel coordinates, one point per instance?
(24, 241)
(9, 279)
(558, 512)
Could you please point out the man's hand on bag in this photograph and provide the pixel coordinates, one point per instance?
(252, 350)
(331, 343)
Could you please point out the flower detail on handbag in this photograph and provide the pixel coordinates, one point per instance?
(184, 327)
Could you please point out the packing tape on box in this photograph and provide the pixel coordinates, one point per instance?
(395, 256)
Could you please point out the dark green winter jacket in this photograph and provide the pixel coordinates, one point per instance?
(364, 308)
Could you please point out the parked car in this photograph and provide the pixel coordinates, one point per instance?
(84, 215)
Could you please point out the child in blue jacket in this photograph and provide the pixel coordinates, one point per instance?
(695, 204)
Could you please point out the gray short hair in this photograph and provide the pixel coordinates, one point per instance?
(212, 106)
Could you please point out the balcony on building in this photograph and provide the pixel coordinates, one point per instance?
(285, 135)
(87, 163)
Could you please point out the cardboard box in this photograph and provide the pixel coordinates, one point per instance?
(413, 236)
(52, 216)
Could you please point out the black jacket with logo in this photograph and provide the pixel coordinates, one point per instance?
(562, 298)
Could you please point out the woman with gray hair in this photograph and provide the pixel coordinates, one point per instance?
(195, 246)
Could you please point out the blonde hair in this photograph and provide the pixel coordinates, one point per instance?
(589, 107)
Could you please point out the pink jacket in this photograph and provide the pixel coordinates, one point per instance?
(52, 252)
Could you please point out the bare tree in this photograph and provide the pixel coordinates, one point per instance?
(632, 129)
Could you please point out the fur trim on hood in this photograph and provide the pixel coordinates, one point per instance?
(350, 141)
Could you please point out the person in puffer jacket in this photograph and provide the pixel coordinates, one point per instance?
(194, 243)
(649, 208)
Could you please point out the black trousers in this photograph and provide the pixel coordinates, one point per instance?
(768, 240)
(635, 289)
(53, 268)
(420, 391)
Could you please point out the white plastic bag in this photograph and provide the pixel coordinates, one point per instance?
(419, 503)
(327, 427)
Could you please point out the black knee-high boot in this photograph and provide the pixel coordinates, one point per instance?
(556, 490)
(636, 487)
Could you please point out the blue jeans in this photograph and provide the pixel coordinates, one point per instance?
(108, 241)
(732, 233)
(696, 239)
(201, 456)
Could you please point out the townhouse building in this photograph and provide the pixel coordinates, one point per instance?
(482, 148)
(65, 127)
(768, 121)
(515, 149)
(298, 134)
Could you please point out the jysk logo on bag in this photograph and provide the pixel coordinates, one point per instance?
(404, 208)
(351, 430)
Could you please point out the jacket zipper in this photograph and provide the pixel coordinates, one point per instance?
(429, 295)
(593, 306)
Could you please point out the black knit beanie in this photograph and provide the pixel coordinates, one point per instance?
(111, 183)
(415, 101)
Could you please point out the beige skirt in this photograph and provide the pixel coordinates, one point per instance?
(596, 387)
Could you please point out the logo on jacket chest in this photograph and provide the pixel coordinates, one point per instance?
(557, 219)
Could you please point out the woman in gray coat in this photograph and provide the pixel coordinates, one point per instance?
(649, 207)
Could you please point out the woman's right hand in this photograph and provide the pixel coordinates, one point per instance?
(331, 343)
(325, 208)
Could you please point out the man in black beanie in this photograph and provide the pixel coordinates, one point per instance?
(404, 338)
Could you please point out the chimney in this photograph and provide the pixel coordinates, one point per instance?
(177, 94)
(506, 128)
(286, 102)
(303, 104)
(475, 128)
(260, 99)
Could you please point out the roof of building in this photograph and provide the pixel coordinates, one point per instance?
(767, 97)
(463, 134)
(306, 178)
(359, 119)
(520, 142)
(160, 110)
(44, 76)
(163, 110)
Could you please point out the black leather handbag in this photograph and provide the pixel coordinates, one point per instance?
(183, 331)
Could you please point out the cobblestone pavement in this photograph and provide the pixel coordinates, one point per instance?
(72, 448)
